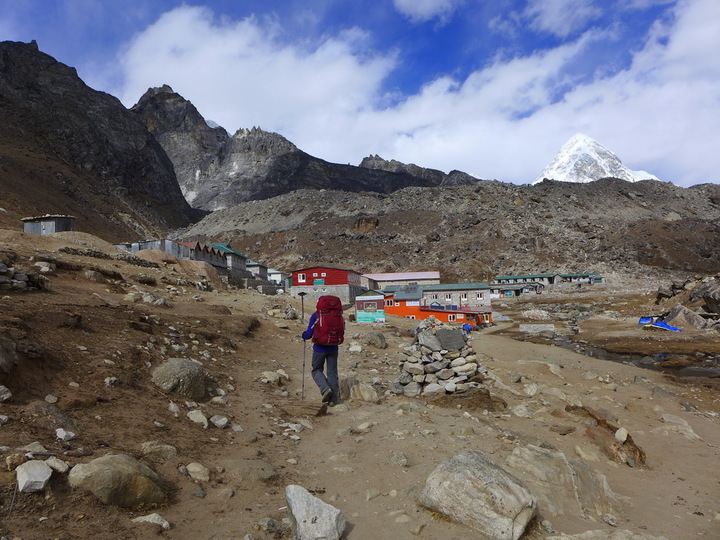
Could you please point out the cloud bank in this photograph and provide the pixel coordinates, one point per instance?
(503, 120)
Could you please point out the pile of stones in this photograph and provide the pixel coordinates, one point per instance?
(18, 279)
(438, 361)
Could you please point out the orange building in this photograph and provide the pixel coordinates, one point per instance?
(409, 304)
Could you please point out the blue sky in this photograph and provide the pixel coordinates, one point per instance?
(489, 87)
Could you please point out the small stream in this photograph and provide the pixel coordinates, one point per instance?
(707, 366)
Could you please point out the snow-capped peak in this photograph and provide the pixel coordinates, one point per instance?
(583, 159)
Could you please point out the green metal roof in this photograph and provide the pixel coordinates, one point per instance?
(226, 249)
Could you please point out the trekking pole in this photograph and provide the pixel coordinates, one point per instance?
(302, 395)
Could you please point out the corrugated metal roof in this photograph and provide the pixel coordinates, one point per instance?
(529, 276)
(326, 267)
(46, 216)
(403, 276)
(454, 286)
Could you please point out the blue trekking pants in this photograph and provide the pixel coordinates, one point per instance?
(319, 361)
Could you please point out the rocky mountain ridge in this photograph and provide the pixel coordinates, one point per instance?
(216, 172)
(68, 149)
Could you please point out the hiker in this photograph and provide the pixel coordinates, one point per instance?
(326, 328)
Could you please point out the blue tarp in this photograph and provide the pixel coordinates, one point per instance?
(664, 326)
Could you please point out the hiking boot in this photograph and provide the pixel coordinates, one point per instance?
(327, 395)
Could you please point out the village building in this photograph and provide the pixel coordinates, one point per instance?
(370, 307)
(549, 279)
(206, 253)
(508, 291)
(168, 246)
(447, 302)
(543, 279)
(279, 277)
(257, 269)
(381, 281)
(48, 224)
(234, 259)
(315, 281)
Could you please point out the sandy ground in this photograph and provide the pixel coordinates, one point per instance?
(370, 460)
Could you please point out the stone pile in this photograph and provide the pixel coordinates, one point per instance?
(17, 279)
(439, 361)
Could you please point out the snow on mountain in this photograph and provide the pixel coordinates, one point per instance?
(582, 159)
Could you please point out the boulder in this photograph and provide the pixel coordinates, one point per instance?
(451, 339)
(32, 476)
(158, 451)
(375, 339)
(680, 314)
(364, 392)
(710, 293)
(311, 518)
(471, 489)
(182, 376)
(563, 485)
(119, 480)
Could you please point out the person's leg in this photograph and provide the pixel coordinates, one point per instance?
(318, 364)
(331, 361)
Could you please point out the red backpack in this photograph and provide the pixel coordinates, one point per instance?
(329, 327)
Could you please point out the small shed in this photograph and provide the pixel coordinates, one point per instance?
(370, 307)
(48, 224)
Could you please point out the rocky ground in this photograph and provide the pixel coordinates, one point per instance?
(648, 230)
(82, 354)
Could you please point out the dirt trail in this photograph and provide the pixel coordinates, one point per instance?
(370, 460)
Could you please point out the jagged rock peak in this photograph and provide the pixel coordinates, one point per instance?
(435, 176)
(256, 134)
(582, 159)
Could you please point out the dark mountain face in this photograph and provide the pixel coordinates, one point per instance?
(216, 172)
(67, 148)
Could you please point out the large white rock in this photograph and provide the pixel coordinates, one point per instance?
(473, 490)
(33, 476)
(563, 485)
(311, 518)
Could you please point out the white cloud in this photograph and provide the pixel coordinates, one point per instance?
(238, 74)
(561, 17)
(425, 10)
(503, 121)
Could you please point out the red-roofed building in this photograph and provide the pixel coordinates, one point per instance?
(316, 281)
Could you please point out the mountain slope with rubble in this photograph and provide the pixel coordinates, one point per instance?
(477, 231)
(80, 354)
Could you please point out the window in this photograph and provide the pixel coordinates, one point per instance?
(433, 297)
(397, 303)
(451, 318)
(370, 306)
(314, 274)
(388, 303)
(302, 278)
(480, 296)
(409, 316)
(463, 296)
(323, 274)
(448, 296)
